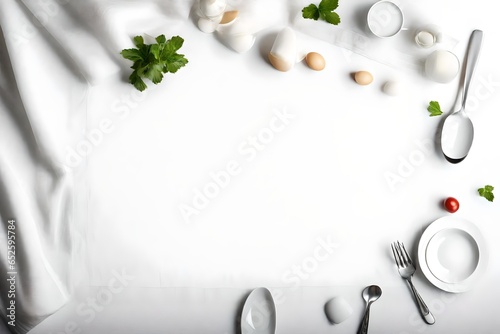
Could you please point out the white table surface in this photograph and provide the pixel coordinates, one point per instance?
(310, 215)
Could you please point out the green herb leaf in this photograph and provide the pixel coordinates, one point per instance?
(155, 50)
(331, 17)
(175, 62)
(174, 44)
(132, 54)
(138, 41)
(328, 5)
(154, 73)
(151, 61)
(161, 39)
(487, 192)
(325, 11)
(434, 109)
(136, 80)
(310, 12)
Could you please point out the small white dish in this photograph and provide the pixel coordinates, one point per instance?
(452, 254)
(385, 19)
(259, 313)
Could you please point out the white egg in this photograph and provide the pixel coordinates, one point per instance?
(239, 43)
(206, 25)
(393, 88)
(337, 310)
(239, 26)
(212, 8)
(442, 66)
(283, 54)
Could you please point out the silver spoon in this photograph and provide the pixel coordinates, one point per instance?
(458, 132)
(370, 294)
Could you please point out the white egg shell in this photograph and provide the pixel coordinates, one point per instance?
(212, 8)
(283, 54)
(442, 66)
(206, 25)
(337, 310)
(239, 43)
(393, 88)
(425, 39)
(240, 26)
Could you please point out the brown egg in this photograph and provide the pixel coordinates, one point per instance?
(315, 61)
(279, 64)
(363, 78)
(229, 16)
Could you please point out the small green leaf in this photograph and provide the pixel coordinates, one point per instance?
(155, 51)
(434, 109)
(487, 192)
(175, 62)
(161, 39)
(132, 54)
(328, 5)
(138, 41)
(138, 83)
(154, 73)
(331, 17)
(174, 44)
(310, 12)
(325, 11)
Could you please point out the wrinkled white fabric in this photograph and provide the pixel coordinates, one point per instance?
(51, 53)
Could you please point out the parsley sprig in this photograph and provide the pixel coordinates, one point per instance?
(151, 61)
(434, 109)
(325, 11)
(487, 192)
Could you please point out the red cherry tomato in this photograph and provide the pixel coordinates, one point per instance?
(451, 204)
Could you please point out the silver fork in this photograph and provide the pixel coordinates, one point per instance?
(406, 269)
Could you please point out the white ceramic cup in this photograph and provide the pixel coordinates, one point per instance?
(385, 19)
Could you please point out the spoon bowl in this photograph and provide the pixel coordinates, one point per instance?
(370, 294)
(458, 132)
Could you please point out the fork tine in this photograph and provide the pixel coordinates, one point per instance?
(396, 257)
(401, 255)
(406, 254)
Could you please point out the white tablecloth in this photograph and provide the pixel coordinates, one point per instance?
(230, 175)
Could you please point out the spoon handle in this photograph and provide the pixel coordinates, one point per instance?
(472, 55)
(363, 327)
